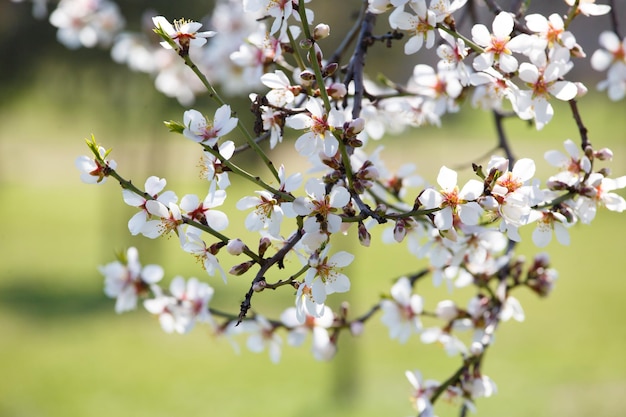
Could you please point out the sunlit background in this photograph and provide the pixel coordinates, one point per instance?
(64, 352)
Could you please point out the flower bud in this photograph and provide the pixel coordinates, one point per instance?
(307, 75)
(259, 285)
(604, 154)
(241, 268)
(235, 247)
(215, 248)
(364, 235)
(582, 89)
(357, 328)
(264, 244)
(337, 91)
(354, 127)
(447, 310)
(476, 348)
(321, 31)
(330, 70)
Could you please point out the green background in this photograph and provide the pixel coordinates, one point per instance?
(64, 352)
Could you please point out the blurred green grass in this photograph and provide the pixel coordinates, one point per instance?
(64, 352)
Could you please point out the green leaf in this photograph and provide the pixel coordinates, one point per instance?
(174, 126)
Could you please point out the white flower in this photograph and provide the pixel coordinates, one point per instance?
(544, 81)
(92, 171)
(452, 201)
(423, 392)
(282, 91)
(319, 125)
(213, 169)
(153, 187)
(401, 314)
(183, 32)
(199, 129)
(589, 8)
(203, 212)
(321, 207)
(421, 25)
(546, 223)
(267, 212)
(499, 45)
(573, 166)
(128, 280)
(324, 275)
(197, 247)
(187, 304)
(612, 58)
(512, 309)
(262, 335)
(323, 348)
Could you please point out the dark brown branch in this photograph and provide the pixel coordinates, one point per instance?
(265, 266)
(503, 142)
(582, 129)
(614, 19)
(357, 62)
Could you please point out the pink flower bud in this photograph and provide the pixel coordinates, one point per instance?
(604, 154)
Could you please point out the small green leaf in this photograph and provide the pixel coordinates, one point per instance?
(174, 126)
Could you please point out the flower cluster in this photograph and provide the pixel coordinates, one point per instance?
(466, 231)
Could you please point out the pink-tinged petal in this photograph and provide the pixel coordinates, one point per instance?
(502, 25)
(564, 90)
(481, 35)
